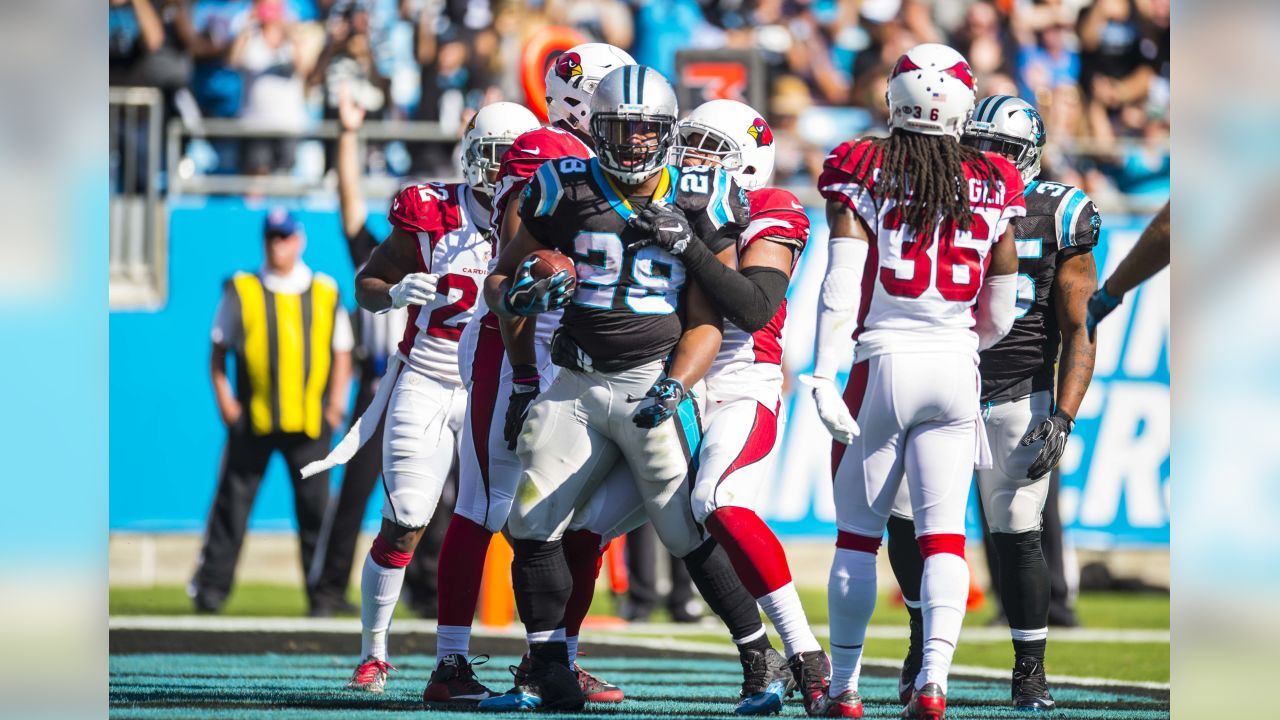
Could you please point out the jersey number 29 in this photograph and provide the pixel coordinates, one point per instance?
(645, 282)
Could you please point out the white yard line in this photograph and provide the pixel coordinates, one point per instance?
(620, 636)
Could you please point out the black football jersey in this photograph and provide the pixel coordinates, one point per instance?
(626, 309)
(1061, 221)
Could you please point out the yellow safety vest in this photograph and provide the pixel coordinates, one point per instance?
(282, 367)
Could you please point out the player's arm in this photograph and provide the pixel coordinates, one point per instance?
(839, 303)
(998, 298)
(1075, 281)
(351, 205)
(690, 361)
(389, 279)
(228, 406)
(517, 330)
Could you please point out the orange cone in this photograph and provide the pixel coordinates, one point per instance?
(497, 599)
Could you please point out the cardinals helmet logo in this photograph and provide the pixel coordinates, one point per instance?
(760, 132)
(568, 65)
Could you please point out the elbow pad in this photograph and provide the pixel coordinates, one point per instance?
(997, 305)
(838, 304)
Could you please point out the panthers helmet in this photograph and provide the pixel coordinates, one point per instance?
(931, 91)
(633, 102)
(731, 134)
(491, 131)
(573, 77)
(1008, 126)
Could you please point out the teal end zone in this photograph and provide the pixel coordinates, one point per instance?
(267, 687)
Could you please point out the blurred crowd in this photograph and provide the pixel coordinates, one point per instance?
(1097, 70)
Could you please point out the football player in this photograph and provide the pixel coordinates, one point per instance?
(488, 467)
(1149, 256)
(743, 419)
(432, 263)
(1027, 423)
(919, 234)
(616, 395)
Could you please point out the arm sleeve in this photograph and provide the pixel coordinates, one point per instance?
(839, 304)
(997, 304)
(748, 299)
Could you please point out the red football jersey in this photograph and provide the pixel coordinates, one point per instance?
(525, 156)
(918, 292)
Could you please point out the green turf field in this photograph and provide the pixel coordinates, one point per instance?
(1127, 661)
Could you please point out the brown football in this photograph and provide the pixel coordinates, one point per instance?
(549, 262)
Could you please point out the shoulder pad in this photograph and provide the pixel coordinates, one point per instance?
(429, 207)
(777, 214)
(1076, 220)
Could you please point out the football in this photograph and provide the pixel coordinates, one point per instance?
(548, 263)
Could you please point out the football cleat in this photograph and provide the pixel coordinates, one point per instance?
(910, 669)
(453, 684)
(847, 704)
(766, 680)
(545, 685)
(812, 672)
(597, 690)
(927, 703)
(370, 675)
(1030, 688)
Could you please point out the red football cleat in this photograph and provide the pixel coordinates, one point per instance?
(370, 675)
(847, 704)
(928, 703)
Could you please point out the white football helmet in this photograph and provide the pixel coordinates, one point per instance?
(488, 137)
(573, 77)
(1008, 126)
(631, 102)
(731, 134)
(930, 91)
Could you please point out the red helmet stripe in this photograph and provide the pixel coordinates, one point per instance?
(904, 64)
(961, 72)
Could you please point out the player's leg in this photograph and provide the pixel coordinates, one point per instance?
(244, 460)
(867, 477)
(1014, 504)
(908, 569)
(423, 417)
(739, 445)
(939, 451)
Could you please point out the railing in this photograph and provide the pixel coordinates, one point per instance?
(138, 243)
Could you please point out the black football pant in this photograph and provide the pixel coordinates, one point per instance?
(1052, 542)
(244, 462)
(642, 575)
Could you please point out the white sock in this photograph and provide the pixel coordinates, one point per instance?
(452, 640)
(782, 607)
(545, 636)
(572, 642)
(851, 598)
(944, 591)
(379, 592)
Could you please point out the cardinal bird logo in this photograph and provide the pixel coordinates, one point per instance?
(760, 131)
(568, 65)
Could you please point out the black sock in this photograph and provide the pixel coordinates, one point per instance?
(917, 628)
(556, 652)
(713, 574)
(905, 558)
(542, 582)
(1024, 586)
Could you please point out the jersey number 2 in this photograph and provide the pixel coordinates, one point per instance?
(447, 321)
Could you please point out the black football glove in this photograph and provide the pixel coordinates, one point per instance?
(524, 389)
(1101, 303)
(664, 226)
(1054, 431)
(665, 397)
(528, 296)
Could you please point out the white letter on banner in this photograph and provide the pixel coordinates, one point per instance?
(1127, 463)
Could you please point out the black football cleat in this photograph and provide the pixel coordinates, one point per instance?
(911, 665)
(812, 672)
(766, 680)
(546, 685)
(1030, 688)
(453, 684)
(927, 703)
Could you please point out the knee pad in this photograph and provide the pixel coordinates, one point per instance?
(410, 508)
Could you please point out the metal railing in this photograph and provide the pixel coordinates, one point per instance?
(138, 242)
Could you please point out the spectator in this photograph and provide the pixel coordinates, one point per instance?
(150, 44)
(267, 54)
(607, 21)
(347, 60)
(986, 41)
(1113, 69)
(1048, 64)
(292, 343)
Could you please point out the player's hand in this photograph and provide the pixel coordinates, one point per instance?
(1053, 430)
(524, 389)
(832, 409)
(414, 289)
(350, 112)
(665, 226)
(528, 296)
(1101, 303)
(333, 414)
(665, 396)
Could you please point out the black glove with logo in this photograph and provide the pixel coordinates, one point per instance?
(524, 389)
(665, 397)
(1054, 431)
(664, 226)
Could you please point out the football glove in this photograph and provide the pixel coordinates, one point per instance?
(524, 389)
(832, 409)
(414, 289)
(1054, 431)
(665, 397)
(664, 226)
(1101, 303)
(528, 296)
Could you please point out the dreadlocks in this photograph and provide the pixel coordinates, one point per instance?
(929, 170)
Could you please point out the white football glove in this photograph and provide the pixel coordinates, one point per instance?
(414, 289)
(832, 410)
